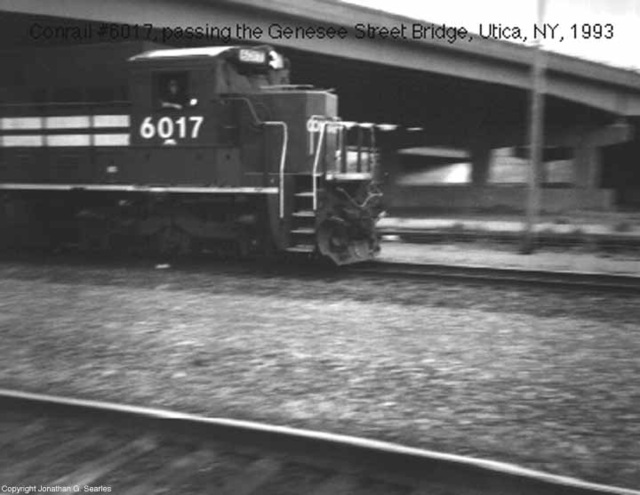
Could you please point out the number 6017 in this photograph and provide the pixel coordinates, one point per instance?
(167, 127)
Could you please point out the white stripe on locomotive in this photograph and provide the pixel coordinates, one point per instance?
(111, 139)
(76, 122)
(67, 122)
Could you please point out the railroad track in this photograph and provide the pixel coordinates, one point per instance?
(612, 240)
(59, 445)
(482, 274)
(589, 281)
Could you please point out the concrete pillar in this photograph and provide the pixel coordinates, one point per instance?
(586, 164)
(587, 143)
(480, 165)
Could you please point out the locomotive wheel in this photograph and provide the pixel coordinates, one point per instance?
(333, 235)
(333, 239)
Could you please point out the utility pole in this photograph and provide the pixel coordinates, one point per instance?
(536, 121)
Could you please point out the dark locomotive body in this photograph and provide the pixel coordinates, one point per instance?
(212, 149)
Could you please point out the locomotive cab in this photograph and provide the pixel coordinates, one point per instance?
(184, 129)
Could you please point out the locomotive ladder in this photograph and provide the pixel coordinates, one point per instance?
(303, 221)
(306, 189)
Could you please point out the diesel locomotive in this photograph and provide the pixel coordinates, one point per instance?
(201, 149)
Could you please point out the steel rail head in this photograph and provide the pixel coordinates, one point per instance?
(556, 278)
(482, 475)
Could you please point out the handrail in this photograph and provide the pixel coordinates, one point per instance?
(366, 142)
(285, 143)
(372, 145)
(318, 120)
(311, 131)
(359, 145)
(283, 159)
(257, 120)
(342, 136)
(316, 160)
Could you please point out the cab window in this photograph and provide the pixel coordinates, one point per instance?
(172, 90)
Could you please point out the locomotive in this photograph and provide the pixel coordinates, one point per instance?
(210, 149)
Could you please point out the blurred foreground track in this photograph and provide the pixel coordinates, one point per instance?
(58, 442)
(596, 282)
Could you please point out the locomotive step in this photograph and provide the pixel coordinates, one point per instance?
(302, 248)
(303, 230)
(304, 213)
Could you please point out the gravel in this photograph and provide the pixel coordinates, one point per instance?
(546, 379)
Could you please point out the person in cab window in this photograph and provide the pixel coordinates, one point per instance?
(174, 96)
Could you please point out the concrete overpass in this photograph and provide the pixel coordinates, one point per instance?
(466, 94)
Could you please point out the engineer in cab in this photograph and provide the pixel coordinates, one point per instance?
(175, 96)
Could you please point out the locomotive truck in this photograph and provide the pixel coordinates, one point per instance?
(202, 149)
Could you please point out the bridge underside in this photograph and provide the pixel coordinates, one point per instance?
(470, 115)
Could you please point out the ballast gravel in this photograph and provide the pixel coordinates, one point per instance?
(545, 379)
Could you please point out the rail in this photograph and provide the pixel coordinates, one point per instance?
(489, 275)
(234, 456)
(545, 237)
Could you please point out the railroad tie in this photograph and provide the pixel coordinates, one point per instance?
(248, 482)
(90, 472)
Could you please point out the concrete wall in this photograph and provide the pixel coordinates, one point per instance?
(464, 198)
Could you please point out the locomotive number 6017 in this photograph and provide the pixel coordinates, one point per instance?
(212, 150)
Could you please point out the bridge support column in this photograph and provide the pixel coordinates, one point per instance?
(587, 163)
(587, 156)
(480, 164)
(587, 143)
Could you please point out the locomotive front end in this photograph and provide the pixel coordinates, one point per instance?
(329, 200)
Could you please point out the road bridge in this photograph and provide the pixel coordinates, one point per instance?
(470, 95)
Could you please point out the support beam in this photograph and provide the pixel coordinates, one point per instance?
(619, 132)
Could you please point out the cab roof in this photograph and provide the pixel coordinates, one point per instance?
(200, 52)
(260, 56)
